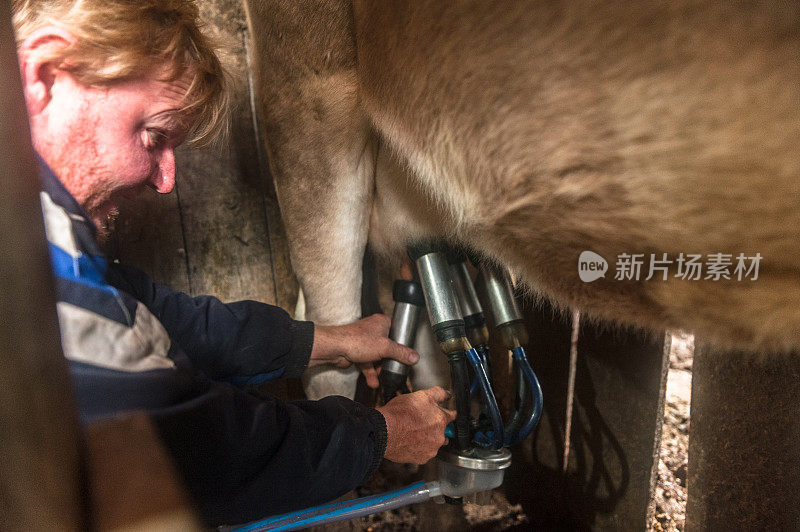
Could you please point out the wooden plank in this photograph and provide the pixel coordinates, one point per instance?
(744, 441)
(41, 468)
(148, 234)
(134, 485)
(222, 194)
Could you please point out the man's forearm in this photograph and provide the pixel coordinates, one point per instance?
(234, 340)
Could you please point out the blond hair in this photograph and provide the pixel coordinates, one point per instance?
(119, 40)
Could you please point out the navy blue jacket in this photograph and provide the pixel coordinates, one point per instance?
(136, 345)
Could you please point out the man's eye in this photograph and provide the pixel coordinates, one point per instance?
(155, 138)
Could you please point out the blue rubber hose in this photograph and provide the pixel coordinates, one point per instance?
(474, 386)
(339, 511)
(483, 351)
(495, 438)
(523, 399)
(536, 398)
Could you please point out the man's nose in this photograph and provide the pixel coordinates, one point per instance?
(163, 179)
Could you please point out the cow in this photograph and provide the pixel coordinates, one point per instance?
(533, 132)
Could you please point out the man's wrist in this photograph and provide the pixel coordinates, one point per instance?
(327, 347)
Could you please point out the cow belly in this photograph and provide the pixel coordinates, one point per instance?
(587, 126)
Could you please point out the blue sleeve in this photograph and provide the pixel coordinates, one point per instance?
(246, 342)
(242, 457)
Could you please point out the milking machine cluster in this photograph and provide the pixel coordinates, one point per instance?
(477, 455)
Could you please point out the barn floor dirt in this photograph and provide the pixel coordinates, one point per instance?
(495, 513)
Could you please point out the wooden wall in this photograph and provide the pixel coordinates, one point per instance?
(220, 231)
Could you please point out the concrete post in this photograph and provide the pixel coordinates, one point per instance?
(744, 442)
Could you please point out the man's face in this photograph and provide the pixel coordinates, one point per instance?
(111, 142)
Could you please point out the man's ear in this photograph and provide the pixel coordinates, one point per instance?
(36, 66)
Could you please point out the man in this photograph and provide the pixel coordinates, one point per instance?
(112, 88)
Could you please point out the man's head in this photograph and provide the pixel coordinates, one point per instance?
(112, 88)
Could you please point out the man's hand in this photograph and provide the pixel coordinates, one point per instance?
(362, 342)
(415, 425)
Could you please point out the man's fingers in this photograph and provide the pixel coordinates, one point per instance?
(438, 394)
(451, 414)
(370, 374)
(401, 353)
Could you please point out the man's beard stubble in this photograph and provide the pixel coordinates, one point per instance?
(102, 211)
(105, 228)
(104, 217)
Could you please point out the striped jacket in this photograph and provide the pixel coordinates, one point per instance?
(136, 345)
